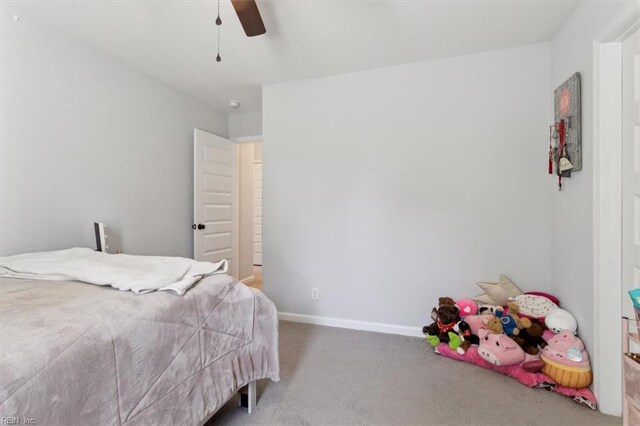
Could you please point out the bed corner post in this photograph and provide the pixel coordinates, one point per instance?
(248, 397)
(252, 397)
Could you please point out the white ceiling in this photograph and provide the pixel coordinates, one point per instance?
(175, 41)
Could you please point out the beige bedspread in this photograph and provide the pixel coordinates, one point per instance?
(78, 354)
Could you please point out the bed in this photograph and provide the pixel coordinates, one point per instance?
(73, 353)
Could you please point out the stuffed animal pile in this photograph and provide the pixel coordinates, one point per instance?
(510, 328)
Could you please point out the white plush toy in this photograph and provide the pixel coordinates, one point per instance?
(559, 319)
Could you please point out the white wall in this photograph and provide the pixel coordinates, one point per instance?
(572, 220)
(85, 139)
(391, 187)
(245, 124)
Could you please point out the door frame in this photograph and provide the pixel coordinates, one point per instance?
(247, 139)
(243, 140)
(607, 209)
(255, 163)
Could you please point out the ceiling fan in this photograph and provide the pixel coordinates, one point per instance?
(249, 16)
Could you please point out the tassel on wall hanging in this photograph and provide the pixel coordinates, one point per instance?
(565, 138)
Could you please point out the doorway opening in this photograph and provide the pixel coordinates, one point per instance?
(250, 204)
(227, 204)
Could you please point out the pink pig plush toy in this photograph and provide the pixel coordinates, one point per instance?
(499, 349)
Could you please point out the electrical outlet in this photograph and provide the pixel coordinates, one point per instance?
(314, 293)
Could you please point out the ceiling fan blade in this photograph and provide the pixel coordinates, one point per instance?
(249, 15)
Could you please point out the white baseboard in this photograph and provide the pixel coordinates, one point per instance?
(248, 279)
(352, 324)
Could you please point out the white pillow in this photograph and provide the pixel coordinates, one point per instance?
(534, 306)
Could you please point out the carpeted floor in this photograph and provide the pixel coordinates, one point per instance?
(332, 376)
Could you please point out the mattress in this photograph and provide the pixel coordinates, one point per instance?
(74, 353)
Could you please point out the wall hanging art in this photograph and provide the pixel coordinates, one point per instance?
(565, 134)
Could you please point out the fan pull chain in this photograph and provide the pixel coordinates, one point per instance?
(218, 24)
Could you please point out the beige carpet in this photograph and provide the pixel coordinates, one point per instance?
(332, 376)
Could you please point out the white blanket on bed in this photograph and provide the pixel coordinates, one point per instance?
(139, 274)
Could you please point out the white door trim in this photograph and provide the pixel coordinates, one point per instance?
(257, 255)
(247, 139)
(607, 210)
(352, 324)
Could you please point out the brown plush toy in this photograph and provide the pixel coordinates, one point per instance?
(445, 317)
(442, 301)
(446, 301)
(531, 337)
(521, 323)
(508, 323)
(495, 326)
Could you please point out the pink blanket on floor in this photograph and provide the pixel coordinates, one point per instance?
(583, 396)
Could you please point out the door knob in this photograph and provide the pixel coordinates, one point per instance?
(201, 226)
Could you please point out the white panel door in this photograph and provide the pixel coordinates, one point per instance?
(215, 199)
(630, 168)
(257, 213)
